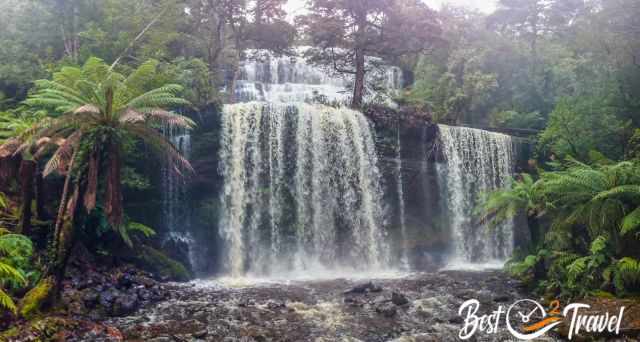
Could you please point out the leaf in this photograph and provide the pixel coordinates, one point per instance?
(6, 302)
(631, 222)
(141, 228)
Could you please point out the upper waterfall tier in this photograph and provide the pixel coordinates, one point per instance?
(477, 161)
(286, 79)
(302, 189)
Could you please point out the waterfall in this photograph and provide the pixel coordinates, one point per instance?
(269, 78)
(476, 162)
(176, 218)
(404, 257)
(302, 189)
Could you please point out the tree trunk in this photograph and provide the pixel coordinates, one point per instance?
(47, 289)
(41, 213)
(27, 172)
(358, 87)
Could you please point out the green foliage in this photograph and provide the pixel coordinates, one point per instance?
(504, 204)
(513, 119)
(15, 254)
(98, 111)
(160, 264)
(579, 125)
(594, 219)
(627, 275)
(135, 227)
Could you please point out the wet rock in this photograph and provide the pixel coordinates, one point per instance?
(144, 294)
(201, 334)
(387, 310)
(483, 296)
(364, 288)
(90, 298)
(275, 305)
(501, 298)
(126, 281)
(456, 319)
(399, 299)
(108, 296)
(125, 305)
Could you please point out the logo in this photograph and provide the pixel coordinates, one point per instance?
(526, 319)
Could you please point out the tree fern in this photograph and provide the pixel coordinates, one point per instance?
(631, 222)
(627, 274)
(97, 108)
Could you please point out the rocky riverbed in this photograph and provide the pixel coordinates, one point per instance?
(417, 307)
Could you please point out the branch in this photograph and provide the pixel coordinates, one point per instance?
(137, 38)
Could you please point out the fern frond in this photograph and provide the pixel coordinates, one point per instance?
(631, 222)
(6, 302)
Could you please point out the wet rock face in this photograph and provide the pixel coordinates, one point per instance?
(421, 307)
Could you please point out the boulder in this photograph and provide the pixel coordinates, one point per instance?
(387, 310)
(399, 299)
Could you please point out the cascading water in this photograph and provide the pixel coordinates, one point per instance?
(477, 161)
(176, 218)
(302, 189)
(404, 256)
(287, 79)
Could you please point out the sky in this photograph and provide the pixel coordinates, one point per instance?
(295, 7)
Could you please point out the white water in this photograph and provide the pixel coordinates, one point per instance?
(302, 190)
(176, 219)
(289, 79)
(404, 256)
(477, 161)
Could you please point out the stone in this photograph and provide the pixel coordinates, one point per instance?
(387, 310)
(501, 298)
(201, 334)
(364, 288)
(399, 299)
(456, 319)
(124, 305)
(108, 296)
(90, 298)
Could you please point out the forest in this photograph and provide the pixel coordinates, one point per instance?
(108, 108)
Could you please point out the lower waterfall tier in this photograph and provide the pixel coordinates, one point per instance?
(302, 190)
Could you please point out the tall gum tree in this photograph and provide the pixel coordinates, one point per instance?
(344, 33)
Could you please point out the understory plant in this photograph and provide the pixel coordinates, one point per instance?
(591, 240)
(15, 255)
(96, 113)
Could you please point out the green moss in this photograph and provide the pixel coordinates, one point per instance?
(36, 298)
(162, 265)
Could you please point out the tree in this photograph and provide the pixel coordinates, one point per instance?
(96, 110)
(345, 32)
(531, 19)
(224, 30)
(19, 130)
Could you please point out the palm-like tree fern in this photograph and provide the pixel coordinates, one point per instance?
(95, 110)
(18, 136)
(503, 204)
(595, 224)
(604, 199)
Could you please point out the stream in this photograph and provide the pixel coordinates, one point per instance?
(392, 307)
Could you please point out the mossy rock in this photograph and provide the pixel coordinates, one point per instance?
(37, 298)
(161, 265)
